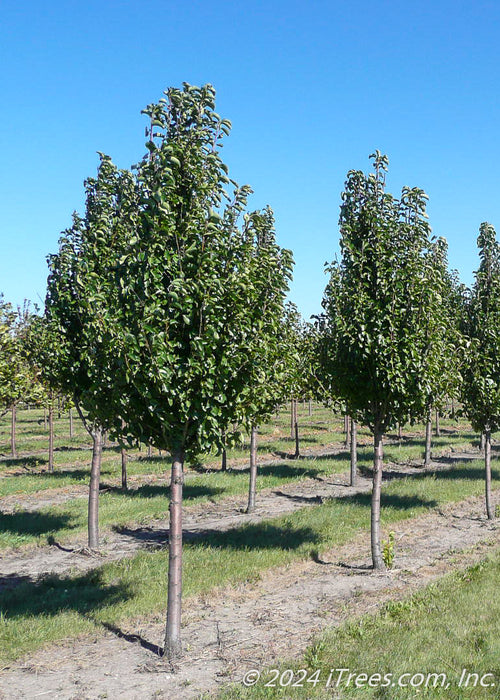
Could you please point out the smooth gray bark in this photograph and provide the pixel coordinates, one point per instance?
(51, 437)
(487, 464)
(481, 442)
(347, 431)
(252, 488)
(354, 453)
(95, 477)
(428, 434)
(173, 648)
(13, 420)
(376, 547)
(124, 457)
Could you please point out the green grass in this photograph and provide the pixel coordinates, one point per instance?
(148, 502)
(447, 627)
(59, 607)
(118, 508)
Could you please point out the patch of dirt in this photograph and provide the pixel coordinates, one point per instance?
(237, 629)
(31, 563)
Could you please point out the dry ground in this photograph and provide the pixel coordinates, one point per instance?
(233, 630)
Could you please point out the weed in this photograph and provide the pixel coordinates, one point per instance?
(388, 551)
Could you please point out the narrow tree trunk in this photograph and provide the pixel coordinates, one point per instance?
(487, 464)
(481, 443)
(150, 451)
(400, 433)
(297, 445)
(71, 422)
(224, 460)
(95, 477)
(310, 408)
(123, 453)
(44, 418)
(452, 409)
(428, 433)
(378, 562)
(253, 471)
(347, 431)
(438, 430)
(292, 419)
(13, 449)
(51, 437)
(354, 452)
(59, 407)
(173, 649)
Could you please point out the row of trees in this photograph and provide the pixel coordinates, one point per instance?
(399, 334)
(167, 301)
(166, 319)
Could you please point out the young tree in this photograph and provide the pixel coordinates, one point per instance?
(16, 380)
(82, 356)
(376, 310)
(265, 380)
(440, 365)
(481, 367)
(183, 333)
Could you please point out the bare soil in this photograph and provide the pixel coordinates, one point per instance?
(231, 631)
(32, 562)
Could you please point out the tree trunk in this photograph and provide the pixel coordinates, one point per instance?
(400, 434)
(292, 419)
(51, 437)
(378, 562)
(44, 418)
(296, 433)
(481, 443)
(71, 422)
(310, 408)
(428, 433)
(452, 409)
(297, 444)
(150, 451)
(354, 453)
(487, 464)
(224, 460)
(95, 476)
(347, 431)
(438, 430)
(172, 648)
(13, 450)
(123, 453)
(253, 471)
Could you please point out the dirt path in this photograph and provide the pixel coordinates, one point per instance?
(30, 563)
(241, 629)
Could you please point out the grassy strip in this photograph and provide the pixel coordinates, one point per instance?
(118, 508)
(146, 503)
(60, 607)
(449, 626)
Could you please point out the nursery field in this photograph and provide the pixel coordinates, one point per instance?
(287, 587)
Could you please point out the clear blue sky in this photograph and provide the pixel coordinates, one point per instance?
(312, 87)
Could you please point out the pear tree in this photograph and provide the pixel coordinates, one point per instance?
(377, 305)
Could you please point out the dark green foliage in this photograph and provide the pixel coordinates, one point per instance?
(481, 367)
(200, 300)
(383, 321)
